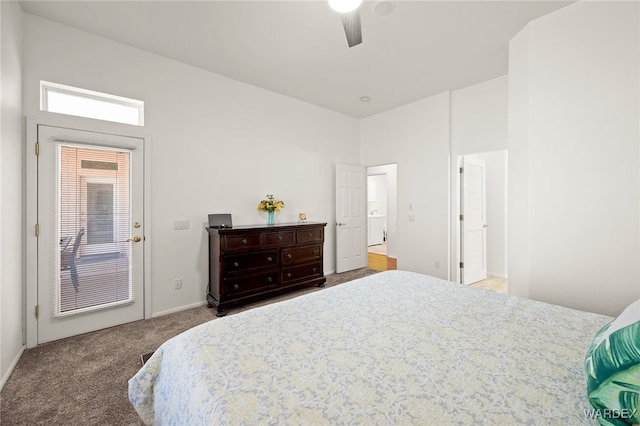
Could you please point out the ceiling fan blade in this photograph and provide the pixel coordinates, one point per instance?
(352, 27)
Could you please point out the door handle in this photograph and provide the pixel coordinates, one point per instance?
(135, 239)
(341, 224)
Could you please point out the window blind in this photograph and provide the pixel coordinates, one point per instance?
(94, 228)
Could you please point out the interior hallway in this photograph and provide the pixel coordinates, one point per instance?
(379, 261)
(493, 283)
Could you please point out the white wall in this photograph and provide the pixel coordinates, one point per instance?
(574, 205)
(217, 145)
(11, 191)
(479, 117)
(478, 125)
(416, 138)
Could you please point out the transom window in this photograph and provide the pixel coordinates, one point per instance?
(70, 100)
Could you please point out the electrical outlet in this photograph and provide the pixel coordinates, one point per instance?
(177, 283)
(181, 224)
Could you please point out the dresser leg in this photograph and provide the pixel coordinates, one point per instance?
(221, 313)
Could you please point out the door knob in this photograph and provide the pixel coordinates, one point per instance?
(135, 239)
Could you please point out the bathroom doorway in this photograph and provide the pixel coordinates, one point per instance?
(382, 230)
(482, 225)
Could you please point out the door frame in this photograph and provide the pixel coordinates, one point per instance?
(31, 206)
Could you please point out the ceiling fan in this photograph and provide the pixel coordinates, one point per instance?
(350, 15)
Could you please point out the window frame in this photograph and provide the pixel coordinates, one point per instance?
(46, 87)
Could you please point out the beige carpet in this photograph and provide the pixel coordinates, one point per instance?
(82, 380)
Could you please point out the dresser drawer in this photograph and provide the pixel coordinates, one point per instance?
(310, 235)
(252, 262)
(291, 256)
(272, 239)
(238, 286)
(241, 242)
(242, 262)
(297, 273)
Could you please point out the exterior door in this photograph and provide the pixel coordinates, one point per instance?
(351, 218)
(90, 231)
(474, 228)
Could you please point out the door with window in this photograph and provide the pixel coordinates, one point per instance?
(90, 231)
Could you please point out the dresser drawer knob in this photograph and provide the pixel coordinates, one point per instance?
(269, 279)
(270, 259)
(288, 274)
(236, 264)
(314, 269)
(315, 252)
(236, 286)
(309, 234)
(279, 237)
(244, 241)
(289, 256)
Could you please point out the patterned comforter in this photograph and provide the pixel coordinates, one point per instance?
(392, 348)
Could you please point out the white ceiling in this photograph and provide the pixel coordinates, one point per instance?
(298, 48)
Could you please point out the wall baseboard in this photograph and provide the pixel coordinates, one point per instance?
(195, 305)
(493, 274)
(178, 309)
(12, 367)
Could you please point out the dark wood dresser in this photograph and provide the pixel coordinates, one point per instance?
(248, 263)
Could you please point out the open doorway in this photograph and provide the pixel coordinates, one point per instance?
(482, 231)
(382, 232)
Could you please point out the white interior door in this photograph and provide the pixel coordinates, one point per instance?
(90, 231)
(351, 218)
(474, 227)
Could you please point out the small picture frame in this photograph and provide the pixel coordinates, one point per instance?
(302, 217)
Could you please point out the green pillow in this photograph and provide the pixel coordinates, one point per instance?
(612, 365)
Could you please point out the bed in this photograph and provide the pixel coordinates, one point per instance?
(392, 348)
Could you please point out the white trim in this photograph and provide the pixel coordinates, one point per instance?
(180, 309)
(31, 203)
(12, 367)
(491, 274)
(31, 242)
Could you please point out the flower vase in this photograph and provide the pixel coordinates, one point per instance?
(271, 217)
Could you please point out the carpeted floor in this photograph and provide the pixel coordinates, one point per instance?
(82, 380)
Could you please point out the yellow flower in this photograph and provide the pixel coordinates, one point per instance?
(270, 204)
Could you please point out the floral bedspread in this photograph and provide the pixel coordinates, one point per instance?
(392, 348)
